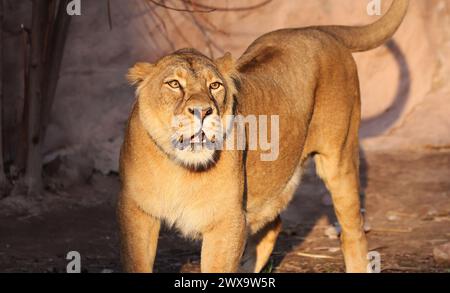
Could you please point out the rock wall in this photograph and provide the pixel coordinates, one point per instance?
(405, 84)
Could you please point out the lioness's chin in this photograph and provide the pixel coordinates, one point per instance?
(196, 159)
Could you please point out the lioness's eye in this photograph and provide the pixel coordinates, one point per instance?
(174, 84)
(215, 85)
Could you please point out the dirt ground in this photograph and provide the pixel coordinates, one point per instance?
(407, 211)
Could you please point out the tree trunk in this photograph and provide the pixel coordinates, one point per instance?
(22, 145)
(3, 182)
(33, 176)
(54, 59)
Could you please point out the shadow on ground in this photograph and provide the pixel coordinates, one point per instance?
(407, 204)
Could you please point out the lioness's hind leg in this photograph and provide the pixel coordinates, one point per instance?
(259, 247)
(340, 174)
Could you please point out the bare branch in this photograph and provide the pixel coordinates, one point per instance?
(216, 8)
(108, 3)
(161, 4)
(177, 28)
(195, 8)
(164, 32)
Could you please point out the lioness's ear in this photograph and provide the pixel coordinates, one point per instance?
(139, 72)
(226, 64)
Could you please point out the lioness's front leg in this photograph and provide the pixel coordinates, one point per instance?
(139, 237)
(223, 245)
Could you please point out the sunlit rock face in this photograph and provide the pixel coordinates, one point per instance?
(405, 87)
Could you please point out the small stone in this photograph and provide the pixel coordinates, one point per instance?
(331, 232)
(392, 216)
(441, 254)
(432, 212)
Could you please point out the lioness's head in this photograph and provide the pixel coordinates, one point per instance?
(183, 100)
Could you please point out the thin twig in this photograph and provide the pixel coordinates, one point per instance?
(108, 3)
(194, 7)
(314, 255)
(213, 28)
(393, 230)
(160, 26)
(177, 28)
(180, 9)
(209, 42)
(401, 269)
(164, 32)
(149, 29)
(244, 8)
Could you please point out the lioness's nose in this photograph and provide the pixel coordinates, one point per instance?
(201, 112)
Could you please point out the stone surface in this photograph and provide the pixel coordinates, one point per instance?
(405, 85)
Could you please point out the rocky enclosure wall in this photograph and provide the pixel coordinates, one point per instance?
(405, 84)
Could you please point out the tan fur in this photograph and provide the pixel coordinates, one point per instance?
(306, 76)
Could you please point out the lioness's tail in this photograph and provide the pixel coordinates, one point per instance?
(364, 38)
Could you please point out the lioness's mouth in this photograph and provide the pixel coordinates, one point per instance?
(197, 141)
(199, 137)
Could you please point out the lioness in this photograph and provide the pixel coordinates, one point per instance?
(232, 199)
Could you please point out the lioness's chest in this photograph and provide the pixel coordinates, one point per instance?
(188, 203)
